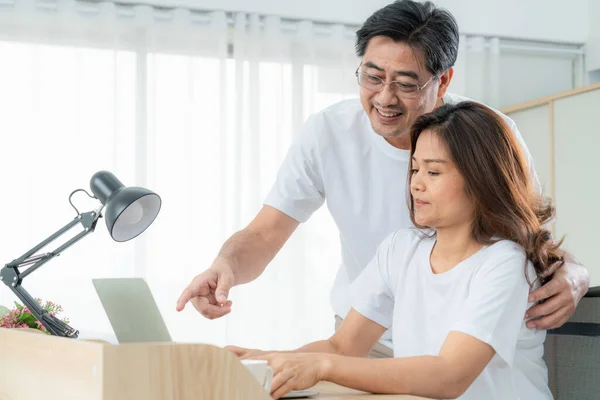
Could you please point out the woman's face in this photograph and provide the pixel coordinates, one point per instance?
(437, 187)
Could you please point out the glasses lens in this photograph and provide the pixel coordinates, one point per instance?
(404, 90)
(370, 82)
(375, 84)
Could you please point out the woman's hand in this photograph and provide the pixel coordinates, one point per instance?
(296, 371)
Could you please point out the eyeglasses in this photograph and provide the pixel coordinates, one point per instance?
(402, 89)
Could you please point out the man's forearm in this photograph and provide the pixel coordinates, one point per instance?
(247, 254)
(579, 274)
(570, 258)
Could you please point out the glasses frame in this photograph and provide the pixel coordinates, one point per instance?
(398, 92)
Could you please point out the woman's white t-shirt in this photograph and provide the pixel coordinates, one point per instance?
(484, 296)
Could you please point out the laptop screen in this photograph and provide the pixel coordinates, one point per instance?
(131, 310)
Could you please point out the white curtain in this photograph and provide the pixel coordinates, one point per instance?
(199, 107)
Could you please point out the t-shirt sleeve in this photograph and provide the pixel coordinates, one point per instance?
(298, 190)
(371, 291)
(496, 305)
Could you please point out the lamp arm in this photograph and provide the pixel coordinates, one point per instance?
(88, 220)
(13, 278)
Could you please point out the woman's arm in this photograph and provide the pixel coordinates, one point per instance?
(355, 337)
(447, 375)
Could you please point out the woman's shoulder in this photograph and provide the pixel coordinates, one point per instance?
(505, 253)
(411, 235)
(405, 240)
(503, 248)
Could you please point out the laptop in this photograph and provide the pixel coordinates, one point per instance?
(131, 310)
(135, 317)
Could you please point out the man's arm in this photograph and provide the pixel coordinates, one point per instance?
(249, 251)
(298, 191)
(243, 258)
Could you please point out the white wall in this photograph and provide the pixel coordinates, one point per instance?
(576, 141)
(528, 77)
(554, 20)
(593, 43)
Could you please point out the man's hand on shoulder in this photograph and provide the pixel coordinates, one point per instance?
(561, 295)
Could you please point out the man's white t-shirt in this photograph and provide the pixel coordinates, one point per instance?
(484, 296)
(339, 158)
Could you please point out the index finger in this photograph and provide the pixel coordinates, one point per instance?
(548, 290)
(185, 297)
(192, 290)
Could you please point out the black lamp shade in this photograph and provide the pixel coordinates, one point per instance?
(129, 210)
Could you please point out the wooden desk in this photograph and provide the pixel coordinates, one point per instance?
(331, 391)
(146, 371)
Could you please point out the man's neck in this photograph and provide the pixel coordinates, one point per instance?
(401, 142)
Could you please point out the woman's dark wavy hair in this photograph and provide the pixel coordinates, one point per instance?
(497, 180)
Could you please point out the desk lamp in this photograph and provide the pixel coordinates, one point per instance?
(129, 211)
